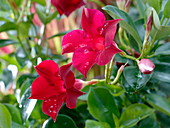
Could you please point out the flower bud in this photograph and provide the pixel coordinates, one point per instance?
(146, 66)
(127, 5)
(121, 4)
(149, 23)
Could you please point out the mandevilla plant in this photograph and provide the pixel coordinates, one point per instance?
(84, 64)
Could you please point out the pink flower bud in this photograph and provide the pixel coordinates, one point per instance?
(146, 66)
(149, 23)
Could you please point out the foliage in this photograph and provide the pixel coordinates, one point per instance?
(122, 94)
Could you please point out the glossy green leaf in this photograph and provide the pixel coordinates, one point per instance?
(162, 72)
(96, 124)
(135, 78)
(5, 42)
(15, 113)
(167, 9)
(62, 121)
(5, 117)
(159, 103)
(156, 4)
(126, 22)
(133, 114)
(163, 49)
(150, 122)
(7, 26)
(99, 106)
(156, 21)
(163, 32)
(42, 2)
(26, 105)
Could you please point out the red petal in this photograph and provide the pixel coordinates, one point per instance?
(109, 30)
(83, 60)
(67, 6)
(71, 97)
(52, 106)
(67, 75)
(49, 70)
(41, 89)
(106, 55)
(92, 21)
(73, 40)
(47, 67)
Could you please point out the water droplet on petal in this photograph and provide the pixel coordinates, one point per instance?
(86, 51)
(87, 63)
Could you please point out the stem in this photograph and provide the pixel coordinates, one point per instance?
(24, 49)
(22, 11)
(127, 56)
(97, 2)
(121, 39)
(108, 70)
(166, 22)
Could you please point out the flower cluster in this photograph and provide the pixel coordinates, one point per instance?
(55, 86)
(94, 44)
(91, 44)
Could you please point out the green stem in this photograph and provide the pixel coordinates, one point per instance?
(120, 33)
(166, 22)
(24, 49)
(22, 11)
(97, 2)
(127, 56)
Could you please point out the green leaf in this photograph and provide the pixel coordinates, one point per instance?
(51, 17)
(15, 113)
(10, 60)
(162, 72)
(59, 34)
(18, 2)
(42, 2)
(159, 103)
(7, 26)
(62, 121)
(5, 118)
(16, 125)
(167, 9)
(156, 21)
(5, 42)
(141, 7)
(163, 49)
(135, 78)
(149, 122)
(163, 32)
(23, 29)
(99, 106)
(133, 114)
(126, 22)
(26, 105)
(41, 14)
(96, 124)
(156, 4)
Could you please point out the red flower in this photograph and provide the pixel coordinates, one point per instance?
(146, 66)
(55, 86)
(94, 44)
(67, 6)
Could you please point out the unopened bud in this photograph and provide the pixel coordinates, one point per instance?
(80, 84)
(127, 5)
(149, 23)
(146, 66)
(121, 4)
